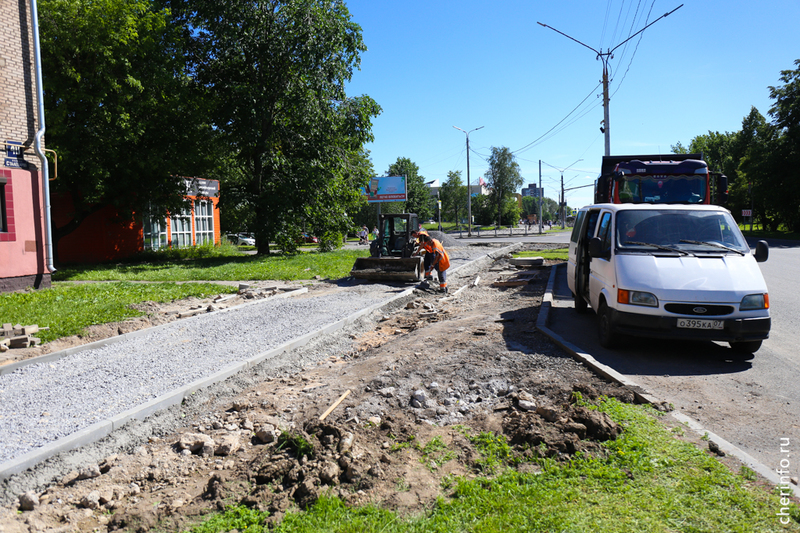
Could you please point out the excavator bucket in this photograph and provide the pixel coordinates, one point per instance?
(388, 268)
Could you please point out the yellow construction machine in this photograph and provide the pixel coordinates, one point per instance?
(391, 254)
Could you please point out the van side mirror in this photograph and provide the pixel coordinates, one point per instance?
(762, 251)
(596, 249)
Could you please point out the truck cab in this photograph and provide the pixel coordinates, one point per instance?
(668, 271)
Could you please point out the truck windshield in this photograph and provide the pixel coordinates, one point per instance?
(679, 189)
(689, 231)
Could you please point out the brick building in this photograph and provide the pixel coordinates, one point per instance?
(23, 188)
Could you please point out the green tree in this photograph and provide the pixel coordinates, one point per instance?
(278, 70)
(503, 179)
(785, 155)
(453, 194)
(122, 112)
(418, 194)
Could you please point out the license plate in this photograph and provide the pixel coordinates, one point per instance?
(692, 323)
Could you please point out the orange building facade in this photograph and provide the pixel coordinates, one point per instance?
(104, 236)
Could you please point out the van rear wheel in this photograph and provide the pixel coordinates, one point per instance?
(605, 327)
(745, 346)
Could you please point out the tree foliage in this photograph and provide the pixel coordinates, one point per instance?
(762, 159)
(453, 195)
(503, 178)
(277, 70)
(418, 194)
(122, 112)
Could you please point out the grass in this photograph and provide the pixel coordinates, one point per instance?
(648, 481)
(759, 232)
(553, 255)
(68, 308)
(301, 266)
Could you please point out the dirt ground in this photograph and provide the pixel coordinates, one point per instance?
(397, 408)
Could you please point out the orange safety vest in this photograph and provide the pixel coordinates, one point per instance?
(441, 259)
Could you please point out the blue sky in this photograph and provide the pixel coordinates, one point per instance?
(435, 64)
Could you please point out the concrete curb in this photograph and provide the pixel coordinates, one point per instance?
(105, 427)
(644, 396)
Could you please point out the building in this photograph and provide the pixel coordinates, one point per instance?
(105, 236)
(533, 190)
(25, 258)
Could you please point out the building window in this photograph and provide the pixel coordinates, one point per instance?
(181, 229)
(155, 233)
(3, 209)
(203, 222)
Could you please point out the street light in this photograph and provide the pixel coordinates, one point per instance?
(469, 187)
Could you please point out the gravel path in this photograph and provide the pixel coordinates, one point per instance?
(44, 402)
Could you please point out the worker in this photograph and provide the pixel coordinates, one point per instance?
(436, 258)
(419, 250)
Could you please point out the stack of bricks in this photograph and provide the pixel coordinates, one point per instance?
(18, 336)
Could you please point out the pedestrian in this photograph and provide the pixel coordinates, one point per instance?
(436, 258)
(375, 232)
(362, 235)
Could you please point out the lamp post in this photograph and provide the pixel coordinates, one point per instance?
(469, 186)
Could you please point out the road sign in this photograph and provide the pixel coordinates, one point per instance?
(747, 212)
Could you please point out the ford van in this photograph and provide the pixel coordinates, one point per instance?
(668, 271)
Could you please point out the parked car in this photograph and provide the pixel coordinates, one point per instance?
(307, 238)
(668, 272)
(243, 239)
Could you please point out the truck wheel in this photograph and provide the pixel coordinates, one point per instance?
(605, 330)
(745, 346)
(580, 304)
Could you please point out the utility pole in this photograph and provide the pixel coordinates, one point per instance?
(541, 199)
(562, 203)
(469, 186)
(605, 57)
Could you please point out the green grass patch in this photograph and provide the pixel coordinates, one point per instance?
(760, 232)
(552, 255)
(68, 308)
(301, 266)
(648, 481)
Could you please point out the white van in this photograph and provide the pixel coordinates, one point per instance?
(668, 271)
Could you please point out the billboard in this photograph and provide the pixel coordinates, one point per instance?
(385, 189)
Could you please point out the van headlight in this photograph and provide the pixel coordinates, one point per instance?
(637, 298)
(754, 301)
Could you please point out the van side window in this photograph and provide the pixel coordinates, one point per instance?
(591, 224)
(604, 233)
(576, 229)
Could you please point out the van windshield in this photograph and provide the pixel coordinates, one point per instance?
(688, 231)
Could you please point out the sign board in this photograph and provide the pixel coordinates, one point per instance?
(202, 187)
(385, 189)
(747, 212)
(14, 157)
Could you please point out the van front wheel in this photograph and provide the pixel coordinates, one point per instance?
(605, 330)
(745, 346)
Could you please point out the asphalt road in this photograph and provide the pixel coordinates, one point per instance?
(753, 402)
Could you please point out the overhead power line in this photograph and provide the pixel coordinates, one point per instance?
(605, 57)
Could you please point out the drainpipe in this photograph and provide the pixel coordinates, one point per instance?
(37, 143)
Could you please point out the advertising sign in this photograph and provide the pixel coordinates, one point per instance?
(385, 189)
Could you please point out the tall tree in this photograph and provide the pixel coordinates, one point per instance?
(278, 70)
(453, 195)
(418, 199)
(503, 178)
(122, 113)
(786, 154)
